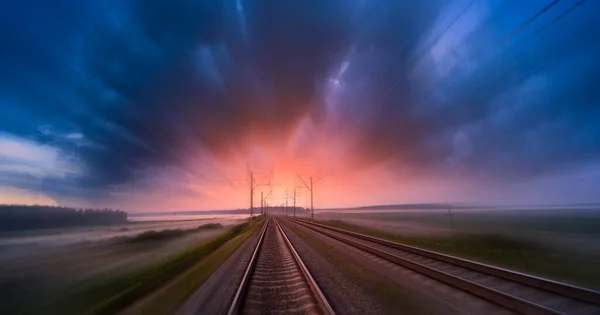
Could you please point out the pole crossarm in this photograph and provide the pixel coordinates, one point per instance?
(303, 182)
(310, 188)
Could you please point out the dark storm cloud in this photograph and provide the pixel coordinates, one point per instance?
(392, 36)
(533, 107)
(485, 106)
(148, 82)
(151, 84)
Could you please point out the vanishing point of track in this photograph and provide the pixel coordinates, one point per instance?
(518, 292)
(276, 280)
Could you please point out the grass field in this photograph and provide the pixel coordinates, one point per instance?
(168, 298)
(558, 245)
(106, 275)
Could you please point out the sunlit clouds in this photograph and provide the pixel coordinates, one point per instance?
(150, 106)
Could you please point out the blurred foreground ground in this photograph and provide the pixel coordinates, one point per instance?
(39, 268)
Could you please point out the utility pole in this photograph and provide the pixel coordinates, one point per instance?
(287, 197)
(450, 215)
(312, 209)
(264, 201)
(251, 196)
(262, 204)
(294, 202)
(310, 188)
(253, 186)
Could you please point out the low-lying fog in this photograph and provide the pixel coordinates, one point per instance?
(40, 266)
(569, 229)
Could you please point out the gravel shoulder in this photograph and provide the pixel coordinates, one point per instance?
(357, 282)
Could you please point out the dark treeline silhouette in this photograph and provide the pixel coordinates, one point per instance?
(22, 217)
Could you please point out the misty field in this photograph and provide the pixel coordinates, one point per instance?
(48, 269)
(559, 244)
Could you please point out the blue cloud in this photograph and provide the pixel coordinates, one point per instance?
(126, 86)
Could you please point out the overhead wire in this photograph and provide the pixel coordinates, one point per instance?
(560, 16)
(513, 33)
(531, 19)
(517, 29)
(462, 12)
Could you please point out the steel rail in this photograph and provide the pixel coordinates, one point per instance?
(560, 288)
(501, 298)
(237, 299)
(321, 299)
(237, 304)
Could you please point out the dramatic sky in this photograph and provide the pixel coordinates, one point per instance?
(167, 105)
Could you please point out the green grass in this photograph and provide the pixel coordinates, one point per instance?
(210, 226)
(564, 221)
(153, 236)
(168, 298)
(500, 250)
(389, 294)
(115, 294)
(165, 235)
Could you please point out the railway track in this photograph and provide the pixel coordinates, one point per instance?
(518, 292)
(276, 280)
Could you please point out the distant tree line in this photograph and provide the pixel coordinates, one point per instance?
(22, 217)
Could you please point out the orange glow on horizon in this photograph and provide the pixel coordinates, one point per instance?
(343, 176)
(341, 179)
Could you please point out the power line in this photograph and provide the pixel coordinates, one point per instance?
(433, 43)
(535, 16)
(514, 32)
(560, 16)
(531, 19)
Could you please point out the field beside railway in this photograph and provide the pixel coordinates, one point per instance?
(562, 245)
(54, 272)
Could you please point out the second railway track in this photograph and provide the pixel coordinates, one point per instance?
(276, 280)
(518, 292)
